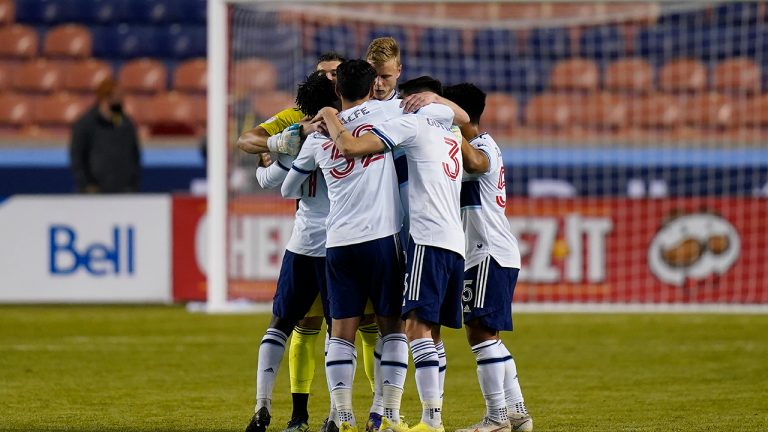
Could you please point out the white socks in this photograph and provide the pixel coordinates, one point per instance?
(426, 363)
(491, 361)
(443, 364)
(271, 353)
(340, 363)
(514, 395)
(378, 397)
(394, 364)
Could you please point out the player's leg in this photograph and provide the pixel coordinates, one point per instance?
(301, 363)
(290, 303)
(369, 336)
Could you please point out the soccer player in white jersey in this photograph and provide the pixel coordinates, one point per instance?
(435, 268)
(364, 219)
(302, 273)
(492, 267)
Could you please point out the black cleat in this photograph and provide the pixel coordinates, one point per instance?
(259, 421)
(297, 425)
(328, 426)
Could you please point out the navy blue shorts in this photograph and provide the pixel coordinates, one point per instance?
(488, 291)
(301, 279)
(433, 284)
(369, 270)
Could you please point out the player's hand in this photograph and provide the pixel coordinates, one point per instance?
(414, 102)
(325, 113)
(265, 160)
(286, 142)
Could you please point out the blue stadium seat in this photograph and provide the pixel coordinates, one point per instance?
(724, 42)
(549, 43)
(447, 70)
(603, 43)
(692, 18)
(266, 41)
(47, 12)
(495, 44)
(101, 11)
(440, 42)
(193, 11)
(663, 43)
(338, 38)
(185, 41)
(126, 41)
(519, 76)
(737, 14)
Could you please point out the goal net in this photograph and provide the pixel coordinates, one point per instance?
(633, 136)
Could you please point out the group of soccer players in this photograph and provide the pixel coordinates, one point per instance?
(376, 174)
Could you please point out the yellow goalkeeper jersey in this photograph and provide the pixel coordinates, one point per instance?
(282, 120)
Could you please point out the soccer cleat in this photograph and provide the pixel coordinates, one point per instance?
(388, 426)
(373, 423)
(328, 426)
(346, 427)
(487, 425)
(423, 427)
(259, 421)
(297, 425)
(521, 422)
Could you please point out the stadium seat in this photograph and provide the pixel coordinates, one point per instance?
(501, 114)
(398, 33)
(548, 111)
(254, 75)
(154, 11)
(85, 76)
(718, 43)
(55, 113)
(7, 12)
(18, 41)
(267, 104)
(191, 76)
(38, 76)
(737, 75)
(659, 111)
(126, 41)
(143, 76)
(45, 12)
(631, 75)
(599, 110)
(441, 43)
(15, 112)
(171, 114)
(569, 10)
(449, 70)
(185, 41)
(5, 77)
(602, 43)
(473, 11)
(269, 41)
(683, 75)
(660, 44)
(68, 41)
(684, 18)
(549, 43)
(518, 11)
(708, 110)
(751, 111)
(737, 14)
(101, 12)
(338, 38)
(494, 45)
(574, 75)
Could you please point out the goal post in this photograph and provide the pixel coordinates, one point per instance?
(633, 137)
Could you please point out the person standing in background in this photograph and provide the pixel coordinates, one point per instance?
(104, 150)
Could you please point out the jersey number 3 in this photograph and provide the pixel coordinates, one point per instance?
(452, 171)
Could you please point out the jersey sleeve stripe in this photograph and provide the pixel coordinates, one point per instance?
(303, 171)
(382, 136)
(470, 194)
(283, 166)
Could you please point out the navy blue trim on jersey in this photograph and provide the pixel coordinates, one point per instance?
(401, 169)
(470, 194)
(384, 138)
(303, 171)
(283, 166)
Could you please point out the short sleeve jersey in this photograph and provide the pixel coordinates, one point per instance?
(434, 172)
(483, 203)
(282, 120)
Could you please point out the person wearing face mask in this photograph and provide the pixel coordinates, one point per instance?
(104, 148)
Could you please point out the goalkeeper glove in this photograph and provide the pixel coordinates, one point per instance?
(286, 142)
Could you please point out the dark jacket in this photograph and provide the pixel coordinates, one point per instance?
(105, 153)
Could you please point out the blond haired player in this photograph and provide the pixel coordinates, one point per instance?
(261, 140)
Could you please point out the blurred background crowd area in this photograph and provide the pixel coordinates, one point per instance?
(630, 73)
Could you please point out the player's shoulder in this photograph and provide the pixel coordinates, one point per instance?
(484, 140)
(293, 115)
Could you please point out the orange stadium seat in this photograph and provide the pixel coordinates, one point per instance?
(501, 112)
(752, 111)
(5, 77)
(172, 113)
(55, 113)
(84, 76)
(659, 111)
(18, 41)
(472, 11)
(68, 41)
(548, 111)
(15, 112)
(709, 110)
(518, 11)
(683, 75)
(600, 110)
(191, 76)
(575, 75)
(143, 76)
(7, 12)
(38, 76)
(737, 75)
(267, 104)
(255, 75)
(632, 75)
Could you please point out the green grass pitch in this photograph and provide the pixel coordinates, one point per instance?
(145, 368)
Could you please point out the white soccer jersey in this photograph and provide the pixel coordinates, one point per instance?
(308, 235)
(483, 200)
(363, 192)
(434, 177)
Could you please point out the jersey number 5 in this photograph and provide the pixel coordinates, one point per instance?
(452, 172)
